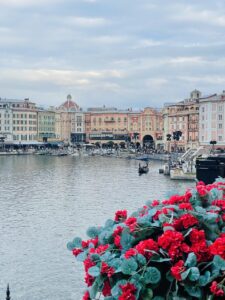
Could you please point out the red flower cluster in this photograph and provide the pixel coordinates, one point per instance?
(173, 242)
(106, 291)
(86, 296)
(131, 223)
(199, 245)
(128, 292)
(147, 248)
(129, 253)
(216, 290)
(106, 269)
(177, 269)
(120, 215)
(185, 221)
(116, 234)
(218, 247)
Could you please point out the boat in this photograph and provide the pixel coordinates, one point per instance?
(143, 169)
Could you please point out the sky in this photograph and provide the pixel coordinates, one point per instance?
(120, 53)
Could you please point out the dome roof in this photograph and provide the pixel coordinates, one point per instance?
(69, 105)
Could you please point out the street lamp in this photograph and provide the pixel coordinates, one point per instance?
(213, 143)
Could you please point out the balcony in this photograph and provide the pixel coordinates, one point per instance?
(111, 120)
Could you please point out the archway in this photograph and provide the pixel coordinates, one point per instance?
(148, 141)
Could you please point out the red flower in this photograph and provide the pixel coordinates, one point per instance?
(129, 253)
(88, 263)
(147, 248)
(117, 241)
(218, 247)
(120, 215)
(128, 291)
(185, 222)
(216, 290)
(186, 206)
(171, 241)
(86, 296)
(131, 223)
(89, 280)
(77, 252)
(201, 190)
(118, 231)
(99, 250)
(154, 203)
(177, 269)
(106, 269)
(106, 291)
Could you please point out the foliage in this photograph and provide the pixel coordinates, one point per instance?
(173, 249)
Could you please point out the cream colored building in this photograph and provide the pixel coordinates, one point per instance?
(69, 119)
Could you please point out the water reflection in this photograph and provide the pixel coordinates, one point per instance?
(46, 201)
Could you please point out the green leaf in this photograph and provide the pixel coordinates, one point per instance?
(126, 240)
(128, 266)
(191, 260)
(219, 263)
(152, 275)
(185, 274)
(92, 232)
(82, 256)
(148, 294)
(141, 259)
(70, 246)
(204, 279)
(194, 274)
(94, 271)
(193, 291)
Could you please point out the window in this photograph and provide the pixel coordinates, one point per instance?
(203, 109)
(220, 138)
(220, 108)
(220, 117)
(220, 126)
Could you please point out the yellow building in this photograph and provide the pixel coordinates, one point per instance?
(46, 125)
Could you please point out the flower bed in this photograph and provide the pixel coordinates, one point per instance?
(173, 249)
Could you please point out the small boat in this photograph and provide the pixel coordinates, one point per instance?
(143, 169)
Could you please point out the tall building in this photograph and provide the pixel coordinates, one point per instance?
(212, 119)
(182, 116)
(18, 120)
(46, 125)
(69, 120)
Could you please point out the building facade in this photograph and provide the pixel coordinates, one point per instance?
(69, 121)
(212, 120)
(46, 126)
(182, 116)
(18, 120)
(110, 124)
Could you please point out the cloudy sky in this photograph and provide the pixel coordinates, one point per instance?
(124, 53)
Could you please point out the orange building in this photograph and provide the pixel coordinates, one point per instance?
(182, 116)
(110, 124)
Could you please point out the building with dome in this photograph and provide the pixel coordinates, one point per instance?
(69, 119)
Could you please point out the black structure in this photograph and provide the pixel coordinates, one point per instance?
(210, 168)
(8, 293)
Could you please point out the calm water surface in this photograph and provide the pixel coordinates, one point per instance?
(47, 201)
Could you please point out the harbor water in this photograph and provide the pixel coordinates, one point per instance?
(46, 201)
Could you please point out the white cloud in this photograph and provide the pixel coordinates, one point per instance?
(86, 21)
(22, 3)
(192, 14)
(59, 77)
